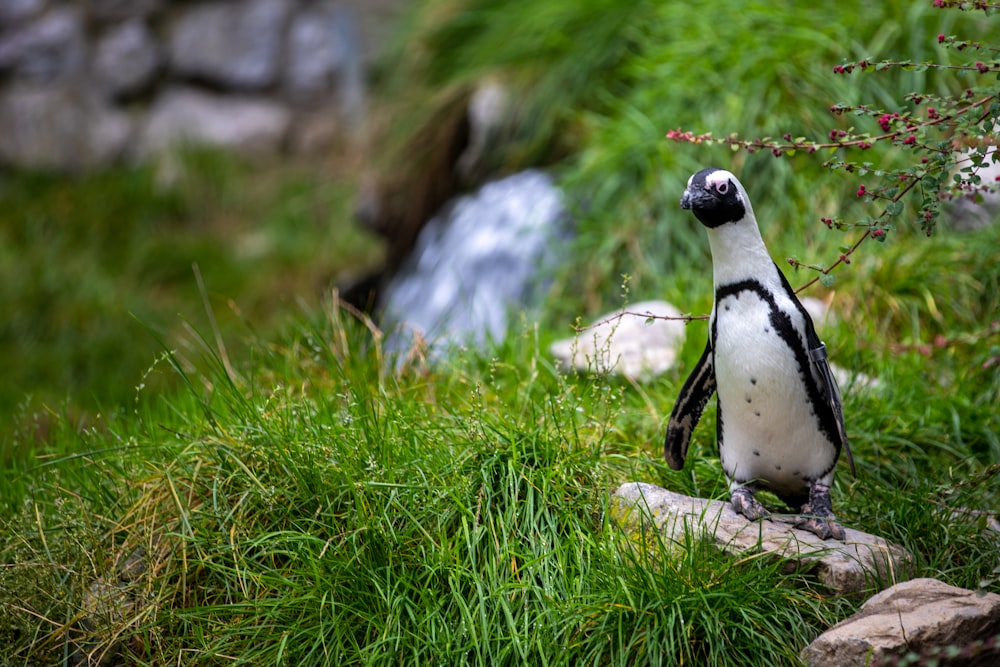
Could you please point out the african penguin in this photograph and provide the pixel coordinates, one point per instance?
(780, 425)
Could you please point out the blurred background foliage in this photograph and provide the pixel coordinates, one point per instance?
(91, 262)
(597, 84)
(97, 269)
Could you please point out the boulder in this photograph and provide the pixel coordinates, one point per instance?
(627, 342)
(926, 617)
(861, 562)
(183, 116)
(237, 45)
(126, 59)
(15, 11)
(59, 127)
(49, 47)
(321, 45)
(120, 10)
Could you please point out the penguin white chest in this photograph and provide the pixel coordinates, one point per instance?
(768, 431)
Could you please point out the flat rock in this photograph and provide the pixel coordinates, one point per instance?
(630, 342)
(236, 44)
(861, 562)
(921, 616)
(182, 116)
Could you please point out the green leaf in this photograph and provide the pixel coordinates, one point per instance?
(826, 279)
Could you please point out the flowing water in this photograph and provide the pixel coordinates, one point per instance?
(482, 258)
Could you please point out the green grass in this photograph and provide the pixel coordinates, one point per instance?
(279, 492)
(318, 507)
(349, 515)
(88, 265)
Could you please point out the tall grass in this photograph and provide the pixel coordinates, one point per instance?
(339, 513)
(323, 504)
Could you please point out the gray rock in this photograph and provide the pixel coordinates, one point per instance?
(120, 10)
(982, 208)
(15, 11)
(489, 109)
(126, 59)
(315, 54)
(49, 47)
(182, 116)
(230, 44)
(59, 127)
(916, 616)
(625, 342)
(859, 563)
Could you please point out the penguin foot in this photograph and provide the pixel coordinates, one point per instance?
(743, 501)
(819, 519)
(821, 528)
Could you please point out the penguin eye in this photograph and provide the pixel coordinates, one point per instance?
(722, 188)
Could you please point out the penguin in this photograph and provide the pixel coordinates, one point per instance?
(780, 421)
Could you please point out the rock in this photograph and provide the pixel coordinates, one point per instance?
(120, 10)
(126, 59)
(106, 608)
(921, 616)
(625, 342)
(317, 51)
(237, 45)
(489, 109)
(325, 62)
(859, 563)
(59, 127)
(15, 11)
(49, 47)
(182, 116)
(981, 209)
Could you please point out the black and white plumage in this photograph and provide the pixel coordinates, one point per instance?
(780, 424)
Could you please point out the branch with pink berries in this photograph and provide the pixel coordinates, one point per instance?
(951, 138)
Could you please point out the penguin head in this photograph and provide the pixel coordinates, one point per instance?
(715, 197)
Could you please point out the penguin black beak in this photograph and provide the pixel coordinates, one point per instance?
(686, 201)
(697, 199)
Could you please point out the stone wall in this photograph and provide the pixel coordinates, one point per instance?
(91, 82)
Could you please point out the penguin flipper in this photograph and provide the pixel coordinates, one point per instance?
(697, 389)
(828, 387)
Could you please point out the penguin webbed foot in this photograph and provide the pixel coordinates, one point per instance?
(744, 503)
(821, 528)
(818, 517)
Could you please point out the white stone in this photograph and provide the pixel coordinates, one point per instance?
(635, 342)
